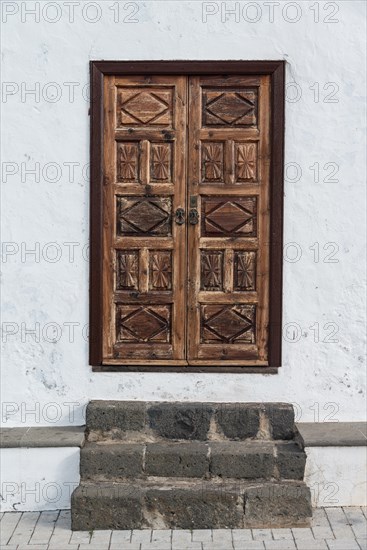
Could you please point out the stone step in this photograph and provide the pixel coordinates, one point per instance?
(190, 421)
(190, 504)
(232, 459)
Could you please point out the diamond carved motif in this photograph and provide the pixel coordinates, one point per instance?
(230, 217)
(230, 108)
(143, 324)
(138, 215)
(139, 107)
(228, 324)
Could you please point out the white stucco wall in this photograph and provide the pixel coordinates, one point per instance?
(45, 376)
(336, 476)
(38, 479)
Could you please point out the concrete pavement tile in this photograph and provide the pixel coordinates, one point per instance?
(342, 544)
(311, 544)
(262, 534)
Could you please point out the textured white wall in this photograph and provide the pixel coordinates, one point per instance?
(39, 478)
(337, 475)
(46, 375)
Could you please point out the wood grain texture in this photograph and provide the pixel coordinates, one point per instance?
(204, 67)
(277, 213)
(228, 293)
(96, 214)
(262, 272)
(144, 250)
(234, 164)
(109, 217)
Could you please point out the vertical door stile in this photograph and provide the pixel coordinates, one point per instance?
(108, 217)
(180, 229)
(263, 279)
(193, 229)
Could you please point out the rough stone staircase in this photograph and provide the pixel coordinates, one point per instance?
(190, 466)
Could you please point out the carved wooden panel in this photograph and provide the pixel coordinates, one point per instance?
(246, 161)
(228, 323)
(143, 323)
(244, 270)
(143, 106)
(160, 270)
(128, 156)
(144, 250)
(212, 162)
(211, 270)
(127, 277)
(229, 108)
(229, 216)
(229, 178)
(186, 220)
(144, 216)
(161, 162)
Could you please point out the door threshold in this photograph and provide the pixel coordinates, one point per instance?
(250, 369)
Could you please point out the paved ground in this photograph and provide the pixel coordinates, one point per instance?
(332, 529)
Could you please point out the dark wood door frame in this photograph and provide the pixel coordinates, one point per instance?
(276, 71)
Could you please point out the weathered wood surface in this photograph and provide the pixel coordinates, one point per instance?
(186, 286)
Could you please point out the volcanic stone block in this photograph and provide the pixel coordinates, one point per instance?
(285, 504)
(111, 460)
(106, 506)
(291, 461)
(180, 420)
(195, 507)
(281, 419)
(177, 459)
(124, 415)
(238, 420)
(245, 460)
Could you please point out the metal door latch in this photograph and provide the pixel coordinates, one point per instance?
(180, 216)
(193, 216)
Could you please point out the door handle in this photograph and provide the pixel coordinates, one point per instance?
(193, 216)
(180, 216)
(193, 213)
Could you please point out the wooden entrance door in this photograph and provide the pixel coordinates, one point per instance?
(145, 225)
(186, 220)
(228, 186)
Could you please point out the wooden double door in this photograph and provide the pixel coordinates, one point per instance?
(186, 218)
